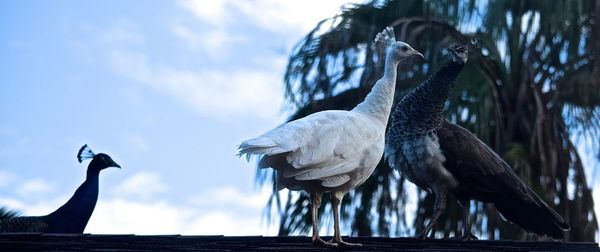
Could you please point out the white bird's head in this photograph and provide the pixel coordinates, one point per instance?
(401, 51)
(398, 50)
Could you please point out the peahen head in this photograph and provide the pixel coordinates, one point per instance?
(99, 161)
(397, 50)
(460, 52)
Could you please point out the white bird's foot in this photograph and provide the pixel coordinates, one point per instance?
(317, 241)
(348, 244)
(344, 243)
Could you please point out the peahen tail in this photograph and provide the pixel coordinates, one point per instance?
(535, 216)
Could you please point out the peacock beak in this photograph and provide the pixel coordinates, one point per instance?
(114, 164)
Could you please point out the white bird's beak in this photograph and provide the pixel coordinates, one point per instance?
(419, 54)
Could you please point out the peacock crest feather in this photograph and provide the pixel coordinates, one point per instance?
(85, 153)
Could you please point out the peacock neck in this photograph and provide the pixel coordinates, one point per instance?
(74, 215)
(378, 102)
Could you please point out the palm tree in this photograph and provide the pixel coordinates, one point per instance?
(529, 89)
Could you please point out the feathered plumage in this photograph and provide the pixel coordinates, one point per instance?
(84, 153)
(483, 175)
(412, 145)
(444, 158)
(333, 151)
(73, 216)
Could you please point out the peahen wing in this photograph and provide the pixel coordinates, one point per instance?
(483, 175)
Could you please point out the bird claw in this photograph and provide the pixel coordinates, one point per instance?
(340, 243)
(469, 237)
(348, 244)
(317, 241)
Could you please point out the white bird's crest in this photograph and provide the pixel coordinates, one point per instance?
(386, 37)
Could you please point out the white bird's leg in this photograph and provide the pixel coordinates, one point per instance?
(439, 207)
(467, 235)
(315, 203)
(336, 199)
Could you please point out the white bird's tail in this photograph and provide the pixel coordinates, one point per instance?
(261, 145)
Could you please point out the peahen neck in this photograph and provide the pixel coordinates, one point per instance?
(378, 102)
(421, 110)
(74, 215)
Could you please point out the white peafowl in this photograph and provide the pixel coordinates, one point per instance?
(333, 151)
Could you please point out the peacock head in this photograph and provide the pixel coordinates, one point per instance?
(398, 50)
(99, 161)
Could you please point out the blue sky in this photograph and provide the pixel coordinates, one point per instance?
(167, 88)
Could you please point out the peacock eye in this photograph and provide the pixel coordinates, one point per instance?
(404, 48)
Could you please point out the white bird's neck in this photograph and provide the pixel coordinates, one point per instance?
(378, 102)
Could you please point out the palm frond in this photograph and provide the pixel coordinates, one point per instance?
(6, 213)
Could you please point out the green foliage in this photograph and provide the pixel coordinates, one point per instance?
(531, 85)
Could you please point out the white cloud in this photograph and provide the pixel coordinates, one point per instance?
(121, 33)
(222, 93)
(218, 93)
(229, 224)
(283, 15)
(6, 178)
(36, 186)
(230, 195)
(274, 15)
(222, 211)
(223, 17)
(215, 42)
(36, 207)
(213, 12)
(120, 216)
(141, 186)
(225, 210)
(183, 32)
(229, 210)
(136, 142)
(12, 203)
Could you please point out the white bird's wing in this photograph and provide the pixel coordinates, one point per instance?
(324, 145)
